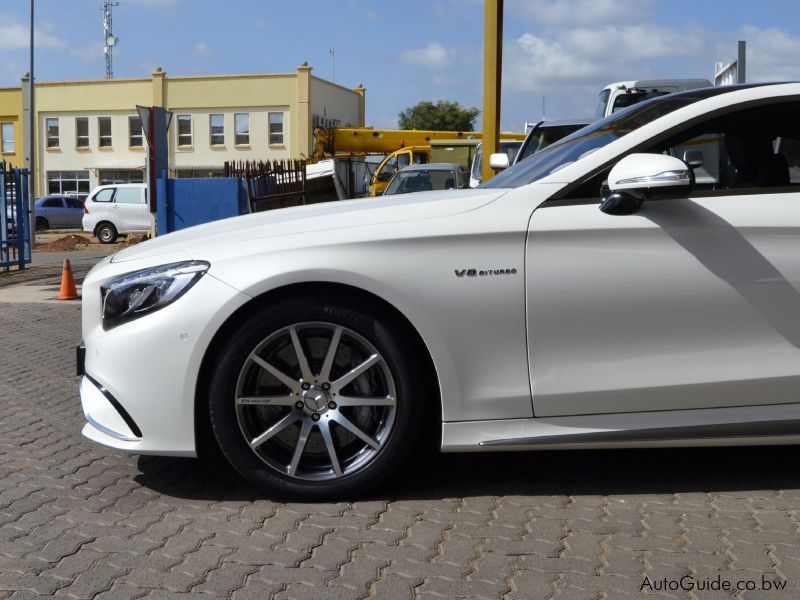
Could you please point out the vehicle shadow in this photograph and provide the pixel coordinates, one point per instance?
(547, 473)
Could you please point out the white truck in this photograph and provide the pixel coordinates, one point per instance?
(618, 95)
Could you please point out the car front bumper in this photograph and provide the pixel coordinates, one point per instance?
(139, 378)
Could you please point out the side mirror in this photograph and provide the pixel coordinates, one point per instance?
(499, 161)
(693, 158)
(640, 177)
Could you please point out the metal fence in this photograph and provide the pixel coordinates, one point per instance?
(15, 230)
(271, 184)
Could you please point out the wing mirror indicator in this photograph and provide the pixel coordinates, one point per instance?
(640, 177)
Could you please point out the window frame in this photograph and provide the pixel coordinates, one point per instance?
(4, 140)
(55, 185)
(272, 138)
(78, 136)
(132, 136)
(101, 136)
(245, 142)
(52, 142)
(211, 133)
(178, 134)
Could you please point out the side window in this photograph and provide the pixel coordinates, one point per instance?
(53, 203)
(106, 195)
(74, 203)
(754, 149)
(128, 196)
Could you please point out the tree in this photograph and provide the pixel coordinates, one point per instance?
(443, 115)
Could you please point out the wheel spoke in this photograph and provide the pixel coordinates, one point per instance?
(327, 364)
(325, 430)
(302, 361)
(277, 428)
(368, 401)
(266, 400)
(352, 374)
(279, 375)
(305, 430)
(347, 424)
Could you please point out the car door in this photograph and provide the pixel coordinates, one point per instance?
(130, 209)
(54, 211)
(689, 303)
(74, 212)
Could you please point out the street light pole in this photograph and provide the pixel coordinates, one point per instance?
(32, 130)
(332, 52)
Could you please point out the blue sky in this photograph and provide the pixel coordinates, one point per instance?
(403, 52)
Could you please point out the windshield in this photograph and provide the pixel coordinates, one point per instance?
(544, 135)
(595, 136)
(509, 148)
(600, 111)
(422, 180)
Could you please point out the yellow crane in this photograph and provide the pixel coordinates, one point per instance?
(401, 147)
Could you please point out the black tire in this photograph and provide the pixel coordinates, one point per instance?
(397, 364)
(42, 224)
(106, 233)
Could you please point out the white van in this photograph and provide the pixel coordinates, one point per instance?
(111, 210)
(622, 94)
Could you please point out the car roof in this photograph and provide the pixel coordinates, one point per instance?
(432, 167)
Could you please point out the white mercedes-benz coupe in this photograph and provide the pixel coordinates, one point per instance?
(635, 284)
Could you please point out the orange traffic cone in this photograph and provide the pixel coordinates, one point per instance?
(68, 291)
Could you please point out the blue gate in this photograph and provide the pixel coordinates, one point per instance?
(15, 230)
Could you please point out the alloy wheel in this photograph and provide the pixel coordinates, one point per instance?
(315, 401)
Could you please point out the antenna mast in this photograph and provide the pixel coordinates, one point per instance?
(110, 41)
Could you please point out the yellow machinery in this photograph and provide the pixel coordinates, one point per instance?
(402, 147)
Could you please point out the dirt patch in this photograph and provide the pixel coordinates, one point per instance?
(64, 244)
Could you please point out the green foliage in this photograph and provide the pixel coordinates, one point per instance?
(443, 115)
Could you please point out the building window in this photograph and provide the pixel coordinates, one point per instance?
(217, 129)
(242, 127)
(81, 132)
(111, 176)
(275, 128)
(63, 182)
(7, 137)
(104, 132)
(135, 132)
(184, 130)
(51, 129)
(199, 172)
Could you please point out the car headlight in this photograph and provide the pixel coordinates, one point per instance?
(136, 294)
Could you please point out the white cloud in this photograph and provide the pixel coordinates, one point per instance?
(201, 49)
(14, 36)
(92, 52)
(434, 56)
(771, 54)
(582, 12)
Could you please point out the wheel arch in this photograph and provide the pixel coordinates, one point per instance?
(204, 439)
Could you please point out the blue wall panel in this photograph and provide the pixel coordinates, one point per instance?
(186, 202)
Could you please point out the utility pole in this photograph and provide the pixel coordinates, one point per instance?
(332, 52)
(109, 40)
(492, 73)
(31, 132)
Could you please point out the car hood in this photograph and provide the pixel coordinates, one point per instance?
(311, 218)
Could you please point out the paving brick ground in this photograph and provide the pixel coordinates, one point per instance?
(81, 521)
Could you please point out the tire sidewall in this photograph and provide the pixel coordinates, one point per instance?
(112, 233)
(381, 332)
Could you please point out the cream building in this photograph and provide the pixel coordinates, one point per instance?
(89, 133)
(11, 139)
